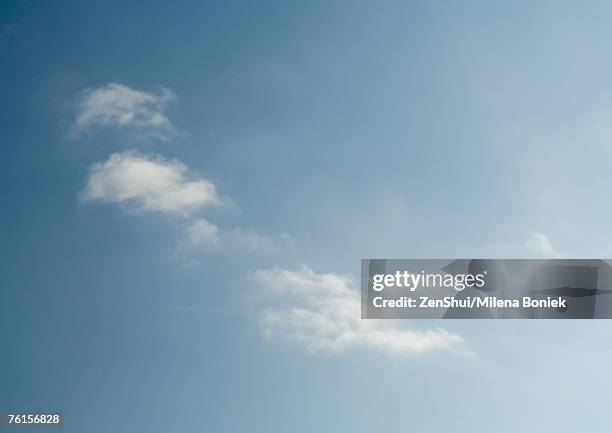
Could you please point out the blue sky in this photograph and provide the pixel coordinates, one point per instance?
(189, 188)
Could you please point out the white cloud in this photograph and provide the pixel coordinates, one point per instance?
(540, 244)
(202, 235)
(148, 183)
(323, 312)
(121, 106)
(252, 241)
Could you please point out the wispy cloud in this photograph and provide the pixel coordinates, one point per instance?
(120, 106)
(148, 184)
(323, 313)
(540, 244)
(202, 235)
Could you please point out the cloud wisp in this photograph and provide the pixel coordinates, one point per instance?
(119, 106)
(540, 244)
(203, 236)
(323, 313)
(148, 184)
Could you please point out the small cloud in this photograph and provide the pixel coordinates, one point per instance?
(148, 184)
(540, 244)
(202, 235)
(120, 106)
(323, 313)
(252, 241)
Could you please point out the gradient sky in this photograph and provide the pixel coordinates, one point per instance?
(333, 131)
